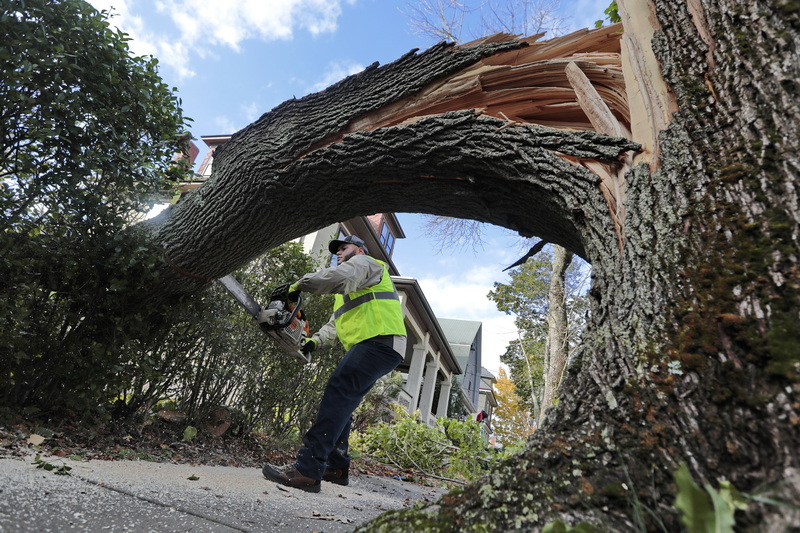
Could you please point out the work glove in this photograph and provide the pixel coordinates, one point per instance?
(309, 345)
(281, 292)
(294, 291)
(287, 292)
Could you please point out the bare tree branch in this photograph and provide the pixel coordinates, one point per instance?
(462, 21)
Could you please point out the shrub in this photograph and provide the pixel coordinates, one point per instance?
(215, 355)
(453, 450)
(89, 136)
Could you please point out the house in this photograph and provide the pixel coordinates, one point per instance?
(433, 362)
(464, 337)
(476, 383)
(487, 402)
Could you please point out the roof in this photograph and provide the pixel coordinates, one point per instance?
(461, 332)
(460, 335)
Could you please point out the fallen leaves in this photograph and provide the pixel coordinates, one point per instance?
(35, 439)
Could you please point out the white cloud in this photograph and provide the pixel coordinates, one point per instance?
(200, 26)
(498, 332)
(225, 126)
(252, 111)
(175, 55)
(336, 71)
(458, 297)
(463, 297)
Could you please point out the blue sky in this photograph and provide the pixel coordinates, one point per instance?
(234, 60)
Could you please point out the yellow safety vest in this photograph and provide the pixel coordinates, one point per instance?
(369, 312)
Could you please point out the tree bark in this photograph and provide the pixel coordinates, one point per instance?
(360, 147)
(691, 353)
(556, 354)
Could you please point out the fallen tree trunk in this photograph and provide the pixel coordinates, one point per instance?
(387, 134)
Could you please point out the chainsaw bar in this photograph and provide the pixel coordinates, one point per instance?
(288, 333)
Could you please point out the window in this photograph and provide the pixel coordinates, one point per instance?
(387, 239)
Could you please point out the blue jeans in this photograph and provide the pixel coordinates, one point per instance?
(325, 444)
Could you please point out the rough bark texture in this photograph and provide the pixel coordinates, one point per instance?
(459, 164)
(692, 350)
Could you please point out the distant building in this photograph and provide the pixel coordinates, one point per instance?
(476, 383)
(487, 402)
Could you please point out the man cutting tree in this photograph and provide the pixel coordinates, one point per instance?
(368, 320)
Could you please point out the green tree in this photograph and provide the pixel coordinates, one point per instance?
(528, 297)
(278, 394)
(215, 356)
(89, 135)
(612, 15)
(525, 359)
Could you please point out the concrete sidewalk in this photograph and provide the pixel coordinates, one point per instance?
(140, 496)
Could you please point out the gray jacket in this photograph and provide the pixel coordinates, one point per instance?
(358, 272)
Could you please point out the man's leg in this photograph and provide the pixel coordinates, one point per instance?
(340, 457)
(358, 371)
(338, 466)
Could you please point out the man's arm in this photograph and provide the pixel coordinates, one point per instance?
(326, 336)
(359, 272)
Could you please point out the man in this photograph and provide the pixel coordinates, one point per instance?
(368, 320)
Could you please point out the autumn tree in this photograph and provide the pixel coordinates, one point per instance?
(511, 422)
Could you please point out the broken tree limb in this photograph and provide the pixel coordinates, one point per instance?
(258, 174)
(460, 154)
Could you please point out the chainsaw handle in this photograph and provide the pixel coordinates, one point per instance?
(289, 320)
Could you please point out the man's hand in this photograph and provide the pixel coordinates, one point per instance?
(288, 292)
(309, 345)
(294, 291)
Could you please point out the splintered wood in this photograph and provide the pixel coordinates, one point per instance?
(574, 82)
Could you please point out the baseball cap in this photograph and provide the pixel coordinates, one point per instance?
(350, 239)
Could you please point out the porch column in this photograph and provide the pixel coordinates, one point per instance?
(428, 388)
(414, 381)
(444, 396)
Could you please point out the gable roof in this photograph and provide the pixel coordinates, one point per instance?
(460, 331)
(460, 334)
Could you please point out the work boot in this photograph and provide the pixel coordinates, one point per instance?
(290, 476)
(340, 476)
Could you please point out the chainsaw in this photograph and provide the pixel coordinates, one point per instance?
(281, 319)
